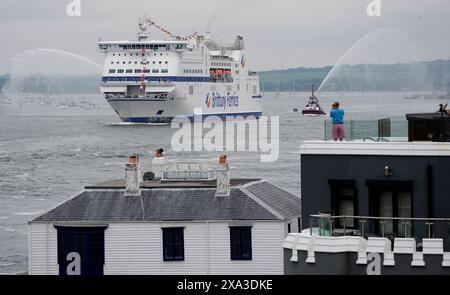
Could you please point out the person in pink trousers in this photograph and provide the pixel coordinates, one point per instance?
(337, 116)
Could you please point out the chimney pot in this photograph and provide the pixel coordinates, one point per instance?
(132, 177)
(223, 178)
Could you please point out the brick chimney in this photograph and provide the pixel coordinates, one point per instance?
(223, 178)
(158, 163)
(132, 177)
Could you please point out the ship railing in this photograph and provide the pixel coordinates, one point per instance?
(371, 226)
(381, 130)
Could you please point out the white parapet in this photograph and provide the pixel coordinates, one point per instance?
(375, 148)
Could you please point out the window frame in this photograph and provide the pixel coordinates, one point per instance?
(336, 185)
(241, 253)
(170, 232)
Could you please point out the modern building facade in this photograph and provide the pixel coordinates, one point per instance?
(373, 207)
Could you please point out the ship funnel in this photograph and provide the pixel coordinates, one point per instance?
(132, 177)
(239, 43)
(223, 178)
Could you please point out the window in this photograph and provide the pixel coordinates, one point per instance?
(241, 242)
(391, 199)
(344, 201)
(289, 227)
(173, 244)
(137, 71)
(129, 71)
(164, 71)
(120, 71)
(112, 71)
(155, 71)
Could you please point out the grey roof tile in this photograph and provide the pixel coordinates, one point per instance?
(175, 204)
(284, 203)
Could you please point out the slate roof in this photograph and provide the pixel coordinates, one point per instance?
(104, 204)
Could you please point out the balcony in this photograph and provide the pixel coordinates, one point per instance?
(327, 225)
(382, 130)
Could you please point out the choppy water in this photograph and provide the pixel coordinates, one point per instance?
(47, 154)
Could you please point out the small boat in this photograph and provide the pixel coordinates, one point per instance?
(313, 107)
(414, 96)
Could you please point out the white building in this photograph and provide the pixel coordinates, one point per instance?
(182, 223)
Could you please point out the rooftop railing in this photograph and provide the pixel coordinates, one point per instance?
(370, 226)
(382, 130)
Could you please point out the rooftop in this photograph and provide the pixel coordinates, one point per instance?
(249, 199)
(375, 148)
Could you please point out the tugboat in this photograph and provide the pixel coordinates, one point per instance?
(313, 107)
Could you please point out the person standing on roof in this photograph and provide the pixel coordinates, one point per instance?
(337, 116)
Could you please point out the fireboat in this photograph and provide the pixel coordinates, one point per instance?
(313, 107)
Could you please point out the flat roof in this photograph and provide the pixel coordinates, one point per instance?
(375, 148)
(158, 183)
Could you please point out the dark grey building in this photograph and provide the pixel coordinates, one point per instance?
(375, 207)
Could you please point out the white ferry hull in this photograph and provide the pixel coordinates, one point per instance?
(151, 110)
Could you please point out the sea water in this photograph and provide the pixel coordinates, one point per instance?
(48, 153)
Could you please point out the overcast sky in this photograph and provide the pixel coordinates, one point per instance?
(278, 33)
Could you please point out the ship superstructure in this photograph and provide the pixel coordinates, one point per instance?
(313, 107)
(153, 81)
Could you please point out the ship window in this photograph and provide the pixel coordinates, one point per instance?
(137, 71)
(160, 62)
(112, 62)
(112, 71)
(119, 54)
(241, 243)
(129, 71)
(123, 62)
(114, 54)
(166, 62)
(155, 71)
(164, 71)
(173, 244)
(237, 72)
(129, 62)
(124, 54)
(120, 71)
(135, 62)
(191, 89)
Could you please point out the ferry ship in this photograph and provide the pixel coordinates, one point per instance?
(153, 81)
